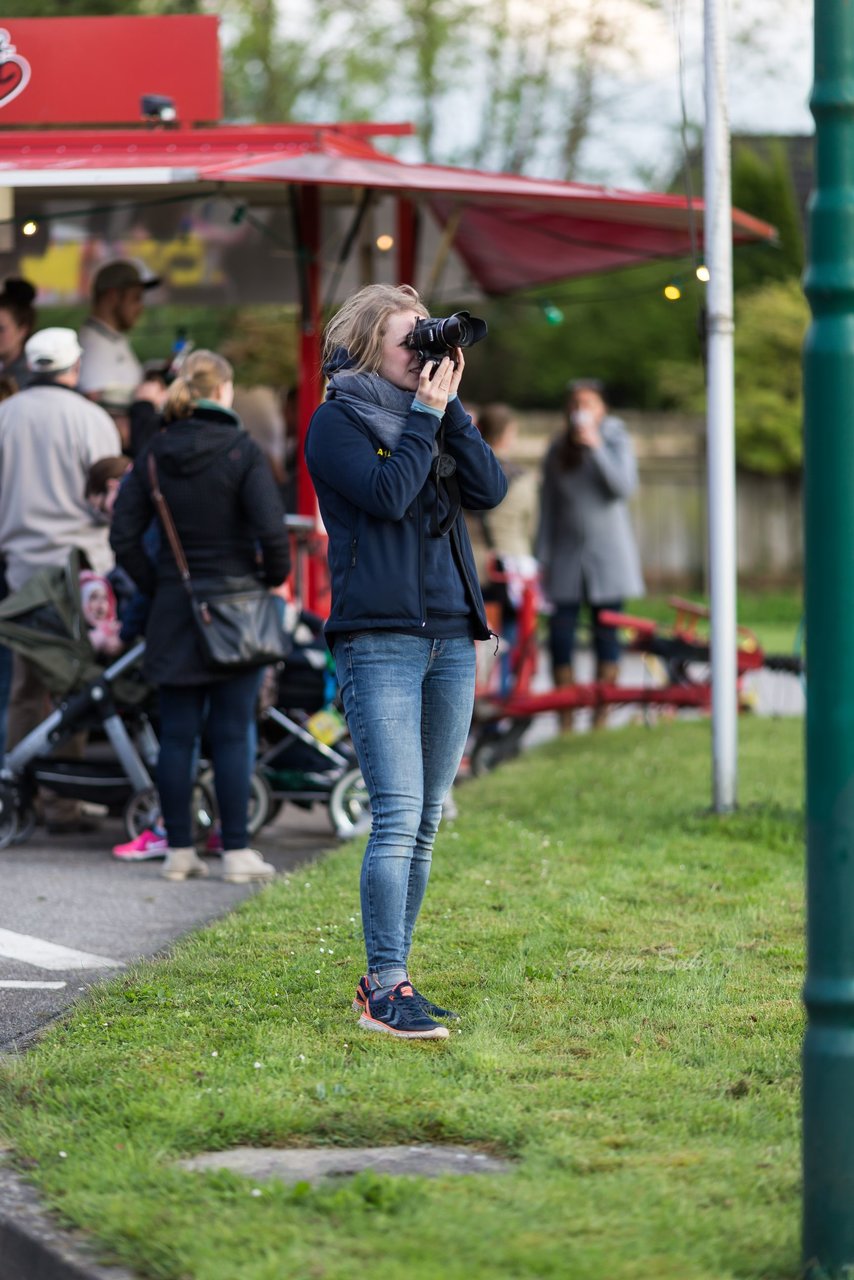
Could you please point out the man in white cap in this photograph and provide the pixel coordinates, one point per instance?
(49, 438)
(117, 301)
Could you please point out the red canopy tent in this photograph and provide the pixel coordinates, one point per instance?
(506, 232)
(324, 190)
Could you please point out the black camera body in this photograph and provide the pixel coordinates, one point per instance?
(435, 339)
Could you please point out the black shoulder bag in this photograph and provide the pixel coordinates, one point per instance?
(237, 629)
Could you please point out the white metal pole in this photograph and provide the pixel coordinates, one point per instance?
(720, 412)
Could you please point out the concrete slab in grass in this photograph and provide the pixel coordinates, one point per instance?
(313, 1164)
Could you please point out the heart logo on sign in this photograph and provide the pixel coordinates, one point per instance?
(14, 70)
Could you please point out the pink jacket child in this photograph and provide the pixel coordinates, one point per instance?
(99, 612)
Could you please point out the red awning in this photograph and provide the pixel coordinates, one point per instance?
(511, 232)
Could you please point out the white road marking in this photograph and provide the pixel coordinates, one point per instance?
(48, 955)
(33, 986)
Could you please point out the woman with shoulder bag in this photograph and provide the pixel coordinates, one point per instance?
(406, 609)
(222, 500)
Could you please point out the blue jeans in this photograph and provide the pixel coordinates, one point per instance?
(408, 701)
(562, 626)
(229, 707)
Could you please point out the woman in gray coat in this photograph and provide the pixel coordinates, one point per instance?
(585, 543)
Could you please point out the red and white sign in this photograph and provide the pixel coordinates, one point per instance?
(14, 70)
(96, 70)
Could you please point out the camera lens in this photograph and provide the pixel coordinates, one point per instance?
(456, 331)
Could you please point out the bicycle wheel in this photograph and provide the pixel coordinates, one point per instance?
(497, 743)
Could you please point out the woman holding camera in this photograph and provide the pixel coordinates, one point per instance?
(585, 544)
(394, 456)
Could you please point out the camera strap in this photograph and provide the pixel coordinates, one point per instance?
(443, 472)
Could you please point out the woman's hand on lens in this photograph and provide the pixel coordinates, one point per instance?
(458, 371)
(434, 391)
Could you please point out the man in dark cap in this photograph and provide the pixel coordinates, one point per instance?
(108, 360)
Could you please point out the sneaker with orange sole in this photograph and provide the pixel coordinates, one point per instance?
(400, 1013)
(363, 990)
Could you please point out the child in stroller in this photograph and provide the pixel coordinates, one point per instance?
(45, 620)
(303, 755)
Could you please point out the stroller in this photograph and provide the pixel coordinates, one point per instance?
(304, 755)
(44, 622)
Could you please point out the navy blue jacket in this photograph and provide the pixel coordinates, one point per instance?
(372, 504)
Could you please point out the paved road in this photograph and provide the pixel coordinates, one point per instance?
(71, 915)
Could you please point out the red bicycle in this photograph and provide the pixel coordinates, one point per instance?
(506, 702)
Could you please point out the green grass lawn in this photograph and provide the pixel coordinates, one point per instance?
(628, 969)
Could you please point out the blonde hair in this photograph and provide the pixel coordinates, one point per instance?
(202, 374)
(361, 323)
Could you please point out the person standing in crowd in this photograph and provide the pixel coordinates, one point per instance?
(585, 542)
(49, 438)
(406, 608)
(224, 503)
(118, 288)
(260, 412)
(509, 530)
(17, 322)
(8, 387)
(503, 539)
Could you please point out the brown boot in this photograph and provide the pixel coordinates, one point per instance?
(564, 676)
(606, 673)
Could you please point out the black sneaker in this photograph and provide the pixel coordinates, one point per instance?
(363, 990)
(401, 1014)
(435, 1010)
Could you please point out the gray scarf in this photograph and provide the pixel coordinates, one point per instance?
(381, 406)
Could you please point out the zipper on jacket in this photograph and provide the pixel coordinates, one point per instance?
(353, 545)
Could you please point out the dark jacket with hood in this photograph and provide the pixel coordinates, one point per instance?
(226, 509)
(373, 502)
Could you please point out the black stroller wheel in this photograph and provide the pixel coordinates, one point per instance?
(495, 744)
(260, 802)
(26, 825)
(141, 813)
(8, 816)
(349, 805)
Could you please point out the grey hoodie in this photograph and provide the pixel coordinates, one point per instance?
(49, 438)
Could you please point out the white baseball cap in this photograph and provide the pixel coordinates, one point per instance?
(52, 350)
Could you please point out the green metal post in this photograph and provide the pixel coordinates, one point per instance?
(828, 1088)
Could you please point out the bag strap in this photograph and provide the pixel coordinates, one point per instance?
(444, 475)
(168, 524)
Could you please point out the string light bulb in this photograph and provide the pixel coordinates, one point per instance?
(384, 243)
(672, 292)
(702, 273)
(30, 227)
(553, 314)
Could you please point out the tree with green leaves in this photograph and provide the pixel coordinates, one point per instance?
(487, 82)
(770, 324)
